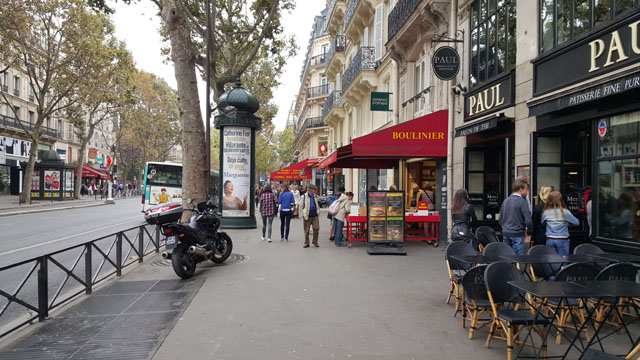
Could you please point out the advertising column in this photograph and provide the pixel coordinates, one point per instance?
(236, 176)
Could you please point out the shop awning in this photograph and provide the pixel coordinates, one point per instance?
(425, 136)
(298, 171)
(89, 172)
(328, 160)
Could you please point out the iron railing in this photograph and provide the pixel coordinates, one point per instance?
(351, 7)
(399, 15)
(318, 60)
(86, 268)
(338, 44)
(309, 123)
(11, 122)
(318, 91)
(365, 59)
(334, 100)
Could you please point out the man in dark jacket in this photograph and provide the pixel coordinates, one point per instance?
(515, 218)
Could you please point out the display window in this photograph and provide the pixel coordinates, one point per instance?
(618, 176)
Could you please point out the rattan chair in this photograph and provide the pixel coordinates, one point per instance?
(543, 271)
(476, 299)
(456, 268)
(614, 272)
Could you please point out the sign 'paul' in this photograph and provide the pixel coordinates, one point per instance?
(615, 49)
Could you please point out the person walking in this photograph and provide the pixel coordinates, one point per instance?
(515, 218)
(329, 216)
(339, 218)
(268, 205)
(287, 202)
(310, 208)
(539, 230)
(557, 218)
(296, 198)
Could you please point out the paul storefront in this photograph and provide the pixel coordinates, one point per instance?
(587, 113)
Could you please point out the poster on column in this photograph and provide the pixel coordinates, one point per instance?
(236, 176)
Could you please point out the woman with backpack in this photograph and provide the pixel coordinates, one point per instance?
(557, 218)
(268, 205)
(329, 216)
(463, 216)
(287, 202)
(339, 208)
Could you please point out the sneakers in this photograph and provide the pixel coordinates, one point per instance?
(269, 240)
(286, 240)
(281, 239)
(263, 238)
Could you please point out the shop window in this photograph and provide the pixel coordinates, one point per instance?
(565, 20)
(618, 206)
(549, 150)
(493, 39)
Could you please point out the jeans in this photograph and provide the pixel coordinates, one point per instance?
(267, 222)
(285, 220)
(516, 242)
(337, 232)
(561, 245)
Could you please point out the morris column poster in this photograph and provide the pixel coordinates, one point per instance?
(236, 177)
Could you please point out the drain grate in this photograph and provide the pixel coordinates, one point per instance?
(233, 259)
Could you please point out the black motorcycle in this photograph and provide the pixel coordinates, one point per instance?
(197, 241)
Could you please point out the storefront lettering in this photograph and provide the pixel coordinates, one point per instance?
(408, 135)
(609, 88)
(486, 100)
(615, 48)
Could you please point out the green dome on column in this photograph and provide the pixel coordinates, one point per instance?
(239, 98)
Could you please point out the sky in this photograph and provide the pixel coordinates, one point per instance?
(138, 26)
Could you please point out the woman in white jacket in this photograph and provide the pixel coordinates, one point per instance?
(296, 198)
(345, 203)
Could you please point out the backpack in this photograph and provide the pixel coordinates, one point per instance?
(461, 232)
(334, 208)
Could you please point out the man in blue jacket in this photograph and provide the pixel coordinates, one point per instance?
(515, 218)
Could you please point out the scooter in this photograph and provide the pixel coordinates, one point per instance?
(197, 241)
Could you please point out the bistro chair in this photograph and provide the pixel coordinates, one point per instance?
(577, 273)
(590, 249)
(593, 354)
(455, 268)
(614, 272)
(476, 299)
(510, 321)
(498, 249)
(486, 236)
(543, 271)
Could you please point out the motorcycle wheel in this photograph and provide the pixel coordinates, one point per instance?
(183, 265)
(223, 246)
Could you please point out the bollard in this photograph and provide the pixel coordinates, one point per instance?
(141, 244)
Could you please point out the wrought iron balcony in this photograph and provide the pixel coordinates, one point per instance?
(351, 7)
(365, 59)
(309, 123)
(338, 44)
(399, 15)
(17, 124)
(334, 100)
(318, 91)
(318, 60)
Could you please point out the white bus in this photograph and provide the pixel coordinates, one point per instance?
(159, 176)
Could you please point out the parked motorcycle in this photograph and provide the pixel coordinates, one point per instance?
(197, 241)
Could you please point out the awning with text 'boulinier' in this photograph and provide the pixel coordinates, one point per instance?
(425, 136)
(299, 171)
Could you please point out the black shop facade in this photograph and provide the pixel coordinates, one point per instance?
(586, 104)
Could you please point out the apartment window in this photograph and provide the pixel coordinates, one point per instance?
(418, 84)
(565, 20)
(16, 113)
(32, 118)
(5, 82)
(16, 86)
(377, 30)
(31, 93)
(493, 39)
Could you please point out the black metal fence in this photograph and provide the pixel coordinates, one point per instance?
(399, 15)
(46, 282)
(334, 100)
(365, 59)
(309, 123)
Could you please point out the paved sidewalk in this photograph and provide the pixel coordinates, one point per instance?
(273, 301)
(9, 205)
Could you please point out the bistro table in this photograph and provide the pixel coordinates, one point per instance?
(477, 259)
(619, 257)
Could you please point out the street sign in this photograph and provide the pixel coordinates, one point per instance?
(100, 160)
(109, 160)
(101, 166)
(445, 63)
(379, 101)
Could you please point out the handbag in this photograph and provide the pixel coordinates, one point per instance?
(295, 211)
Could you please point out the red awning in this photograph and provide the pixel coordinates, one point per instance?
(89, 172)
(328, 160)
(421, 137)
(297, 171)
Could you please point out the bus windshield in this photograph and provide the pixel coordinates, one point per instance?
(164, 175)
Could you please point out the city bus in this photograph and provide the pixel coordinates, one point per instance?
(168, 176)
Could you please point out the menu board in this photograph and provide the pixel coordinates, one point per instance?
(385, 217)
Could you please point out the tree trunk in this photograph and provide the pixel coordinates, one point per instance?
(83, 151)
(194, 169)
(25, 195)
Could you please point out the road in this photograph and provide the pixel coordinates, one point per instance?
(28, 236)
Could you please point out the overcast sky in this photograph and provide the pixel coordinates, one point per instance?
(138, 25)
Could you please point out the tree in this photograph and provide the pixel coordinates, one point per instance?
(56, 42)
(284, 145)
(101, 96)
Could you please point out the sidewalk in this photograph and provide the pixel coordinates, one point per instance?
(9, 205)
(271, 301)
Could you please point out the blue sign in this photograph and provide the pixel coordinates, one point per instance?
(101, 166)
(602, 128)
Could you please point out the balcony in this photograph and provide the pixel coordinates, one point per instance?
(31, 97)
(360, 74)
(16, 92)
(19, 125)
(335, 56)
(5, 88)
(400, 14)
(336, 16)
(358, 14)
(318, 60)
(309, 123)
(318, 91)
(333, 108)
